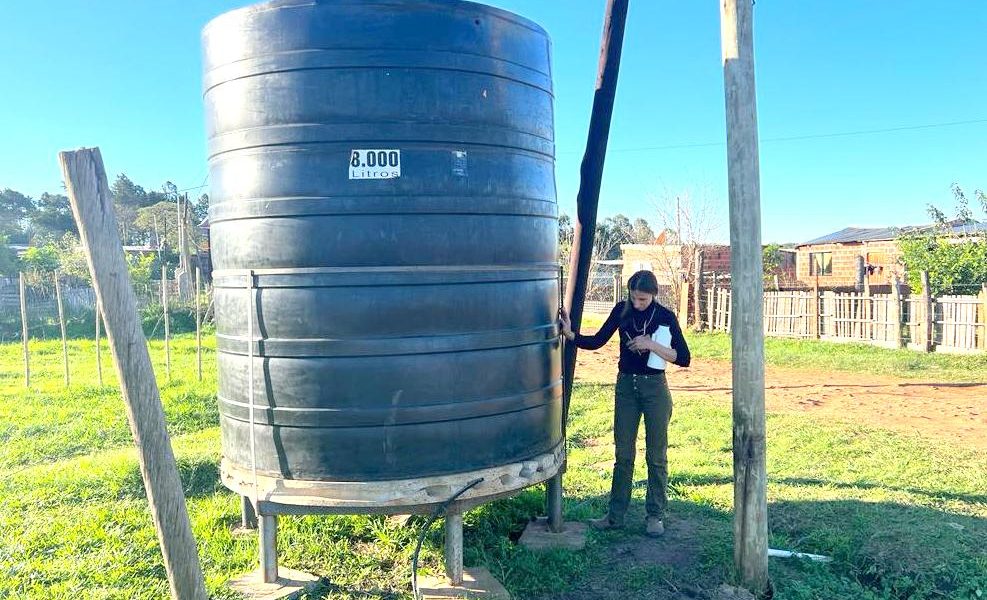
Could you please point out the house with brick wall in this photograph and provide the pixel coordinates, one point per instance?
(858, 257)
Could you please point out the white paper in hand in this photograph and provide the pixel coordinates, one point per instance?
(663, 336)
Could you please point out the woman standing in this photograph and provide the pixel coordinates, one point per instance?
(649, 332)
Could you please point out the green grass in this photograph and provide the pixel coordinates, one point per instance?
(902, 516)
(859, 358)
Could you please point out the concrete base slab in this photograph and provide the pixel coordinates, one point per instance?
(290, 584)
(478, 583)
(537, 536)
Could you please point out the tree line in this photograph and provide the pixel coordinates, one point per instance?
(148, 218)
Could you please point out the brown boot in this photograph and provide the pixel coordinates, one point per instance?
(654, 526)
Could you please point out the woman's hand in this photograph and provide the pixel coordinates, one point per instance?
(642, 344)
(565, 324)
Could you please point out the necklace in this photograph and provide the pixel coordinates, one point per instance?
(643, 328)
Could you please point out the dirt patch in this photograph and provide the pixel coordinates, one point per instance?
(636, 566)
(930, 408)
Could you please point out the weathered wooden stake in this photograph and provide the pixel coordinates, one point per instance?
(92, 205)
(198, 323)
(167, 320)
(24, 333)
(750, 525)
(61, 324)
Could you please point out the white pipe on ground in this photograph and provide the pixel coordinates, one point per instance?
(789, 554)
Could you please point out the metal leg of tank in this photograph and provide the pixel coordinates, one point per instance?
(553, 503)
(270, 582)
(551, 531)
(268, 530)
(454, 547)
(460, 582)
(248, 516)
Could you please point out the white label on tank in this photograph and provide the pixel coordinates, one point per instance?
(375, 164)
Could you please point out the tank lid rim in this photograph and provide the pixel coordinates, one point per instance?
(275, 4)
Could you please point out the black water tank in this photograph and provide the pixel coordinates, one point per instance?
(385, 169)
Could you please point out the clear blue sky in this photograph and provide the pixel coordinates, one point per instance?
(125, 76)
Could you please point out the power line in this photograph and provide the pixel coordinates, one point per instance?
(198, 187)
(792, 138)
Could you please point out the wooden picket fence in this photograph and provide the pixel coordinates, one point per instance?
(946, 324)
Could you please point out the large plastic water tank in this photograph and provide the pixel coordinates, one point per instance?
(384, 224)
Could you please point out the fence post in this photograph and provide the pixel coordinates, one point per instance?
(929, 314)
(684, 304)
(895, 313)
(815, 309)
(24, 333)
(99, 362)
(61, 324)
(167, 324)
(198, 322)
(618, 288)
(711, 305)
(982, 320)
(92, 206)
(697, 293)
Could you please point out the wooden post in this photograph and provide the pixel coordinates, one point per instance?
(167, 320)
(92, 206)
(929, 312)
(99, 361)
(684, 304)
(982, 319)
(815, 309)
(750, 525)
(697, 293)
(61, 324)
(24, 332)
(198, 322)
(895, 313)
(711, 306)
(618, 288)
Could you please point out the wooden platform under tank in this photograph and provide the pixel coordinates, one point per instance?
(278, 495)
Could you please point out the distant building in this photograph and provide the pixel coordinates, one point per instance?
(851, 257)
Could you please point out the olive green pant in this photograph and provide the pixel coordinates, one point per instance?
(638, 395)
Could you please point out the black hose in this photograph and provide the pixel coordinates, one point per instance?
(440, 511)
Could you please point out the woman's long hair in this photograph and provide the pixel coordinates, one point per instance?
(642, 281)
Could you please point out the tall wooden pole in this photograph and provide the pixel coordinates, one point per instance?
(24, 333)
(750, 526)
(587, 200)
(61, 324)
(92, 206)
